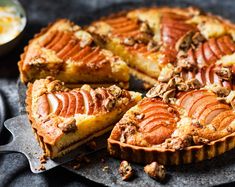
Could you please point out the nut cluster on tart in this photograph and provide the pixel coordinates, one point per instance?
(188, 57)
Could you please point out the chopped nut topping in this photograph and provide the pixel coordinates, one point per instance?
(178, 143)
(143, 38)
(224, 73)
(144, 27)
(229, 129)
(129, 41)
(197, 39)
(200, 140)
(194, 84)
(155, 171)
(115, 91)
(190, 39)
(153, 46)
(219, 90)
(139, 116)
(109, 103)
(184, 43)
(69, 125)
(126, 170)
(168, 94)
(128, 130)
(196, 123)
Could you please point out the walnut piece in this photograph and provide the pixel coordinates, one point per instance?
(69, 125)
(126, 170)
(155, 171)
(129, 41)
(224, 73)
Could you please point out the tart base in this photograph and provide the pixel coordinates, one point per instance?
(188, 155)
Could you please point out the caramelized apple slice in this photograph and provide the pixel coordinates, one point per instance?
(63, 97)
(55, 103)
(189, 98)
(211, 112)
(43, 106)
(217, 120)
(72, 105)
(200, 104)
(158, 135)
(88, 102)
(153, 122)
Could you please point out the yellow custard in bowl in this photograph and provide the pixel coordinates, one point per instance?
(11, 23)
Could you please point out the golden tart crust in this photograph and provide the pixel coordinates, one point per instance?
(68, 53)
(64, 119)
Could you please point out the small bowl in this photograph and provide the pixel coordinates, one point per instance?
(7, 47)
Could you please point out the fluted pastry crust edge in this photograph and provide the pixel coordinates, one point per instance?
(191, 154)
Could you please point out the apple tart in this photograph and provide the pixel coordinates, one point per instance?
(68, 53)
(64, 119)
(174, 127)
(158, 42)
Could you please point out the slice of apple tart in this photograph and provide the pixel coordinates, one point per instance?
(68, 53)
(160, 42)
(64, 119)
(174, 127)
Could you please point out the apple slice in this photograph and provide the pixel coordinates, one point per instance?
(229, 42)
(79, 102)
(210, 113)
(55, 103)
(209, 75)
(153, 122)
(188, 98)
(69, 47)
(199, 53)
(158, 135)
(65, 102)
(88, 102)
(220, 117)
(215, 48)
(223, 47)
(62, 42)
(209, 55)
(156, 111)
(72, 105)
(201, 103)
(226, 122)
(43, 106)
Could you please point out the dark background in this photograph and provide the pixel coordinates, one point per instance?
(14, 168)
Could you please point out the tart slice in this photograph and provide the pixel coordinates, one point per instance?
(158, 43)
(64, 119)
(194, 126)
(68, 53)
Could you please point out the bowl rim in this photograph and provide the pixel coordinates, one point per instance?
(21, 10)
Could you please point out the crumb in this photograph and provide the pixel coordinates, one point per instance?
(41, 167)
(126, 170)
(91, 145)
(156, 171)
(77, 166)
(43, 159)
(105, 168)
